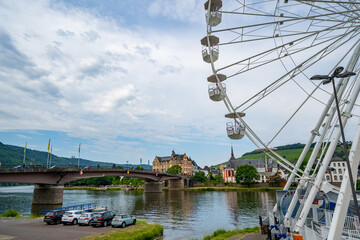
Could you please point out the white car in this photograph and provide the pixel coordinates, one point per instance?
(85, 218)
(71, 217)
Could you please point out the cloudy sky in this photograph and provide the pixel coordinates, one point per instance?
(123, 78)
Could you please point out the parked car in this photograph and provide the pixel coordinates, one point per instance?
(54, 217)
(102, 218)
(123, 220)
(85, 218)
(71, 217)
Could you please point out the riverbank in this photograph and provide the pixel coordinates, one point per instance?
(200, 189)
(234, 189)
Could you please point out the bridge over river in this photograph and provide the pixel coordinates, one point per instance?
(49, 183)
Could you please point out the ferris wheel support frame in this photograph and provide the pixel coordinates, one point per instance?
(322, 170)
(343, 200)
(315, 132)
(340, 90)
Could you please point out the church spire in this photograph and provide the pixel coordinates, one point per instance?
(232, 154)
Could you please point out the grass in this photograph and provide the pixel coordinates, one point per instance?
(230, 189)
(141, 231)
(11, 213)
(221, 234)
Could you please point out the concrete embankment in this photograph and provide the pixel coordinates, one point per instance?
(36, 229)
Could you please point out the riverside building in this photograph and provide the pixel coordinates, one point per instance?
(264, 169)
(162, 164)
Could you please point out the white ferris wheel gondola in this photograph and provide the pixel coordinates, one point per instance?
(234, 129)
(210, 51)
(215, 12)
(217, 91)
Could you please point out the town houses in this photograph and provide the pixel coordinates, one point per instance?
(263, 167)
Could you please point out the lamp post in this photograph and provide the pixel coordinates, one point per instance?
(327, 79)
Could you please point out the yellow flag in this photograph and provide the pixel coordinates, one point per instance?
(49, 145)
(25, 147)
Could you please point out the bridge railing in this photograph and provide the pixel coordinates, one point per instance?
(87, 206)
(82, 167)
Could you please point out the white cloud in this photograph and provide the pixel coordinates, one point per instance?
(91, 77)
(183, 10)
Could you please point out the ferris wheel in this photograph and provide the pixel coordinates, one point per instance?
(266, 51)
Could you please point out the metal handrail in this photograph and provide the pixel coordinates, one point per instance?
(88, 206)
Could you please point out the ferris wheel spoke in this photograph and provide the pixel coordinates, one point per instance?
(332, 9)
(279, 21)
(286, 78)
(247, 37)
(259, 59)
(328, 1)
(250, 6)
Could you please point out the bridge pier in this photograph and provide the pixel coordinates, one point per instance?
(153, 187)
(46, 197)
(176, 184)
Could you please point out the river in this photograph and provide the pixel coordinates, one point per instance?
(183, 214)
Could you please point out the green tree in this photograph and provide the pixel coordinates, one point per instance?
(210, 176)
(199, 177)
(246, 174)
(139, 168)
(128, 181)
(176, 169)
(219, 179)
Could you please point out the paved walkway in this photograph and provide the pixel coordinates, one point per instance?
(253, 236)
(36, 229)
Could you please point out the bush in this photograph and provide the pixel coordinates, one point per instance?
(11, 213)
(199, 177)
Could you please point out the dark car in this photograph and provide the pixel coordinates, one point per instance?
(102, 218)
(54, 217)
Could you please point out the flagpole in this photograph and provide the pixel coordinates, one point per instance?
(79, 156)
(50, 156)
(24, 154)
(47, 160)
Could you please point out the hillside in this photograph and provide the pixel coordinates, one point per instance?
(291, 152)
(14, 155)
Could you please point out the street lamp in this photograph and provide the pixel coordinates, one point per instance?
(327, 79)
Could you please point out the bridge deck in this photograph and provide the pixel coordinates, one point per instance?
(63, 175)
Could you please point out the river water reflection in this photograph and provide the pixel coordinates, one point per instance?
(183, 214)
